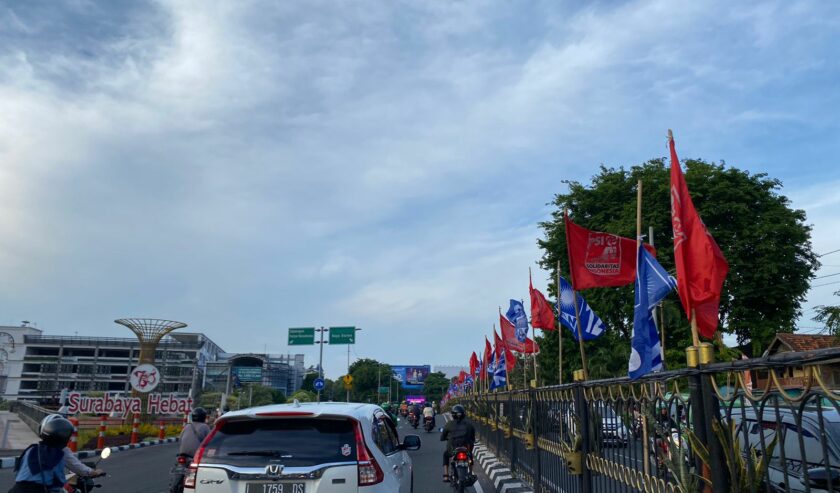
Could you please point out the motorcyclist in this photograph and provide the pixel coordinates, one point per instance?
(457, 433)
(414, 408)
(41, 465)
(428, 412)
(194, 433)
(386, 406)
(72, 461)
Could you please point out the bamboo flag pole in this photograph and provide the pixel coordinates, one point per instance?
(583, 364)
(645, 441)
(559, 329)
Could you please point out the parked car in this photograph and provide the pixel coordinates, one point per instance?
(304, 448)
(787, 463)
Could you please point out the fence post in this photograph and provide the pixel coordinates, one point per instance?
(582, 411)
(511, 416)
(74, 438)
(711, 411)
(100, 441)
(162, 433)
(134, 426)
(534, 408)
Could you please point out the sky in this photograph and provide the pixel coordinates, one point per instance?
(250, 166)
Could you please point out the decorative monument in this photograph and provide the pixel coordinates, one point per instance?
(149, 332)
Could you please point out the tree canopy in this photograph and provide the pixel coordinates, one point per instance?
(435, 386)
(766, 242)
(368, 376)
(830, 316)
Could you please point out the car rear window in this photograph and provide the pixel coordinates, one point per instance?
(296, 442)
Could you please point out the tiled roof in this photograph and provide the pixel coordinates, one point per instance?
(808, 342)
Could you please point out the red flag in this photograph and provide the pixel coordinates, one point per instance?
(473, 364)
(599, 259)
(701, 266)
(487, 351)
(509, 335)
(542, 315)
(510, 362)
(462, 376)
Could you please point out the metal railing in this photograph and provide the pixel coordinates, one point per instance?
(703, 428)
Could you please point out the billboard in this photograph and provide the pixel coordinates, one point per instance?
(411, 377)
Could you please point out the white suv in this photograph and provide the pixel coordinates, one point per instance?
(304, 448)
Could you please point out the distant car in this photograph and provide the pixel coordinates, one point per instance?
(786, 471)
(304, 448)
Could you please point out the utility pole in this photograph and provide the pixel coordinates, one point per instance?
(321, 358)
(378, 381)
(348, 371)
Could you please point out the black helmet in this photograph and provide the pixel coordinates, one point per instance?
(458, 412)
(199, 415)
(55, 431)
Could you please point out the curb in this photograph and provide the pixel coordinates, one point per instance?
(9, 462)
(499, 474)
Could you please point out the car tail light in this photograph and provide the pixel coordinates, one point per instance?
(369, 471)
(192, 471)
(461, 456)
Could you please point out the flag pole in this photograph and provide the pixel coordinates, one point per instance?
(645, 444)
(577, 309)
(559, 329)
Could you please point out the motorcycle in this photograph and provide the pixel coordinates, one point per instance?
(429, 423)
(178, 472)
(85, 484)
(412, 419)
(460, 475)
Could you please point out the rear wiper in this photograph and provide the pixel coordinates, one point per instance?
(262, 453)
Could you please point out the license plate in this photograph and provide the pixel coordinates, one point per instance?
(275, 488)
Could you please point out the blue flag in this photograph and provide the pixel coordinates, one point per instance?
(498, 375)
(590, 324)
(516, 314)
(652, 284)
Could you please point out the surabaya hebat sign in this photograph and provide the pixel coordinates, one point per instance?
(108, 403)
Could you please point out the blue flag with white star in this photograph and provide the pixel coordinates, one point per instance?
(590, 324)
(652, 284)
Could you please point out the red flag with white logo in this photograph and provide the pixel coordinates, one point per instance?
(701, 266)
(598, 259)
(512, 342)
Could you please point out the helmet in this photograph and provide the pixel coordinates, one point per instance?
(55, 431)
(386, 406)
(199, 415)
(458, 412)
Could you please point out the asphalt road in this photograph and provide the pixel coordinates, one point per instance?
(428, 468)
(146, 470)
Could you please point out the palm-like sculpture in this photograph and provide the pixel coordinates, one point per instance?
(149, 332)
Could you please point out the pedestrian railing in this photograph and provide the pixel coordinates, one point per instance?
(704, 428)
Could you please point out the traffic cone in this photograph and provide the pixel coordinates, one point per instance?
(134, 428)
(100, 442)
(162, 433)
(74, 438)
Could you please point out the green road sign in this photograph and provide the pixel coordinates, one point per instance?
(302, 336)
(342, 335)
(383, 390)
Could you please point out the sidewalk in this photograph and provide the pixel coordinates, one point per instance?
(19, 436)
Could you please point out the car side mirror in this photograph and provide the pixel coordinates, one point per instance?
(411, 442)
(820, 477)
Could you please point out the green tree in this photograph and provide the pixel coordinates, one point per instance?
(304, 396)
(368, 375)
(767, 244)
(309, 381)
(435, 386)
(830, 316)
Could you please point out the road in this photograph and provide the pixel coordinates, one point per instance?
(428, 462)
(146, 470)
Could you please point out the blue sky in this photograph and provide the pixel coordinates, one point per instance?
(251, 166)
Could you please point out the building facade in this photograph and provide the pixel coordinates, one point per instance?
(37, 366)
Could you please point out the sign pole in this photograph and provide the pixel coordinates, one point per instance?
(321, 360)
